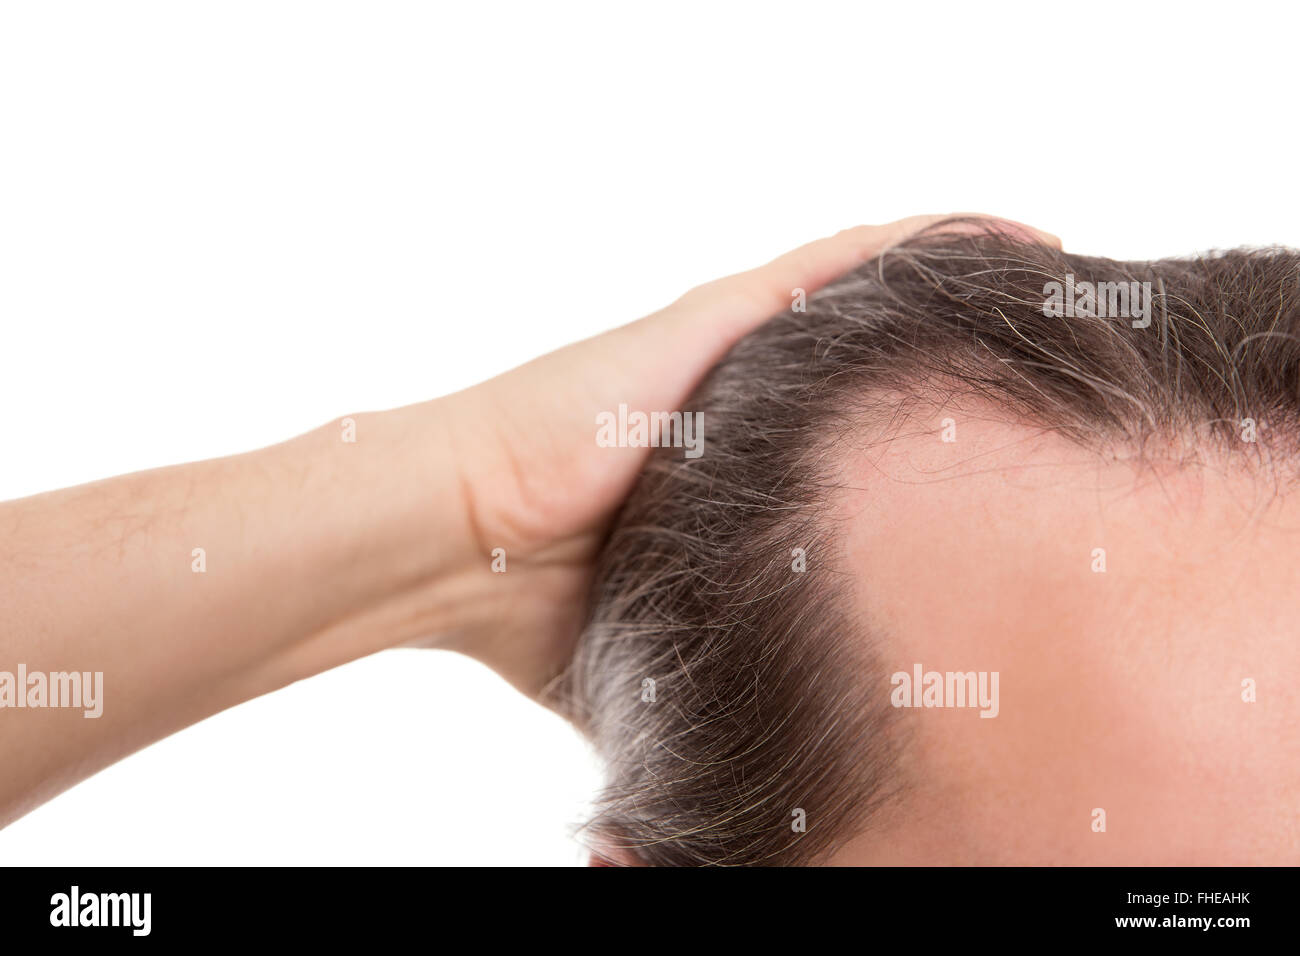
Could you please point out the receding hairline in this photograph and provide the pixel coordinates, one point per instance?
(941, 315)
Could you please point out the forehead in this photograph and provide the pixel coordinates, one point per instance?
(1121, 605)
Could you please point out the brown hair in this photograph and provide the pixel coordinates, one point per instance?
(766, 699)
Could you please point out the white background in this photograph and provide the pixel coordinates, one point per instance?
(222, 224)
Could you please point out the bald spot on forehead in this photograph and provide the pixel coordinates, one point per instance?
(1120, 688)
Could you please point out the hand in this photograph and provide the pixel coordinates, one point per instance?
(536, 483)
(195, 587)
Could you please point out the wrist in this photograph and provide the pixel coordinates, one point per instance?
(379, 525)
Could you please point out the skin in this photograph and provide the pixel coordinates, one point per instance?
(1119, 690)
(320, 551)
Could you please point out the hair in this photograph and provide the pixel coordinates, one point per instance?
(766, 697)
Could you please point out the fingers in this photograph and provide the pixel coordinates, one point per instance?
(1029, 233)
(740, 302)
(813, 265)
(673, 349)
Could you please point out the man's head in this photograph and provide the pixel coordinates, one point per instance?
(1059, 480)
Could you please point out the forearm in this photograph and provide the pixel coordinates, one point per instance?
(313, 552)
(321, 550)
